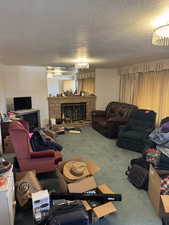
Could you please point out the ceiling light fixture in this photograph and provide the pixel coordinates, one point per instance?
(81, 63)
(161, 36)
(53, 71)
(59, 71)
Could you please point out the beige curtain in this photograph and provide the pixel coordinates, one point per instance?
(79, 85)
(87, 85)
(128, 87)
(68, 85)
(164, 96)
(148, 95)
(148, 90)
(86, 73)
(154, 66)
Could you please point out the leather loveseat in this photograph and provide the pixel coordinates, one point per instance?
(107, 122)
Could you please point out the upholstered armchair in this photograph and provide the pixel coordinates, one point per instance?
(107, 122)
(134, 135)
(43, 161)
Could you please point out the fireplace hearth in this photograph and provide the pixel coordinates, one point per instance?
(73, 111)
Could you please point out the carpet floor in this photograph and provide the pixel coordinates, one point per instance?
(135, 207)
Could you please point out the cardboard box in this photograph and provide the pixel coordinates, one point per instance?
(160, 202)
(58, 129)
(89, 183)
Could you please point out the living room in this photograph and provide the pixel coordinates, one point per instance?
(118, 42)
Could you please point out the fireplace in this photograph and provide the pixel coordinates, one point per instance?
(73, 111)
(55, 105)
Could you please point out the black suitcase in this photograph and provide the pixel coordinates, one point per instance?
(68, 215)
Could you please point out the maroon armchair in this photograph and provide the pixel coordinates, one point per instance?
(43, 161)
(107, 122)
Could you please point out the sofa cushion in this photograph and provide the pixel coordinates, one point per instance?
(139, 125)
(139, 135)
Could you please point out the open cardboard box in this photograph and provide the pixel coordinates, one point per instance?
(89, 183)
(160, 202)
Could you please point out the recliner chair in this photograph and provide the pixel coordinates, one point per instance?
(43, 161)
(107, 122)
(134, 134)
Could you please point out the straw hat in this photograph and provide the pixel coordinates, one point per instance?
(75, 170)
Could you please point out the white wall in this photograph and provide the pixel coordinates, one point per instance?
(106, 87)
(27, 81)
(54, 86)
(58, 85)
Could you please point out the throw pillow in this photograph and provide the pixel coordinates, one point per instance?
(27, 185)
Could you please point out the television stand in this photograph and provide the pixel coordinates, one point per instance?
(32, 116)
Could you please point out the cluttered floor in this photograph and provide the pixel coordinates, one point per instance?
(135, 207)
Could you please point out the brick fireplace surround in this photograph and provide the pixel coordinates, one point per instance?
(55, 104)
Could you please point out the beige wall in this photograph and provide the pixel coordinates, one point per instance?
(106, 86)
(27, 81)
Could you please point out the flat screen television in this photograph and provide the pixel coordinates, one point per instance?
(21, 103)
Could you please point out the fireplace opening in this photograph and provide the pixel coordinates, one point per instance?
(73, 111)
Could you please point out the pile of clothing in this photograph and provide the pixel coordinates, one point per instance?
(156, 153)
(159, 156)
(40, 141)
(160, 139)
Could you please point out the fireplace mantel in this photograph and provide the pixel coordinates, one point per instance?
(55, 104)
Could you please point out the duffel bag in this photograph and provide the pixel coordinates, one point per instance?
(138, 176)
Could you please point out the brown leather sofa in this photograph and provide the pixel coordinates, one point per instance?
(107, 122)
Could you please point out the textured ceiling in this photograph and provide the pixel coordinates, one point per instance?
(55, 32)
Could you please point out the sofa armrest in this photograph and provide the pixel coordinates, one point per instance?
(43, 154)
(98, 113)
